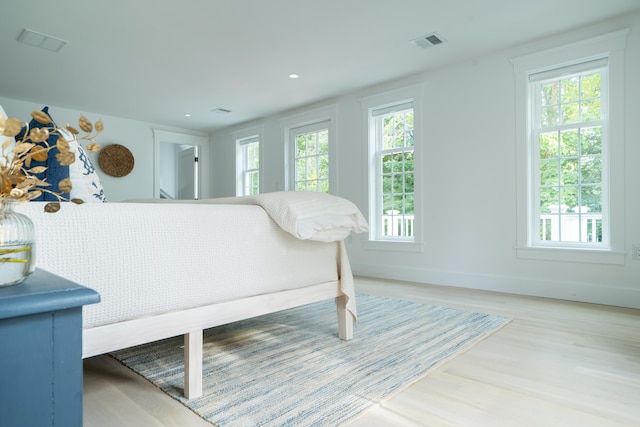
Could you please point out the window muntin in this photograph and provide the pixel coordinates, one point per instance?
(394, 163)
(311, 157)
(248, 151)
(569, 139)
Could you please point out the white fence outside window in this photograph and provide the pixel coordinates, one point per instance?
(397, 225)
(563, 226)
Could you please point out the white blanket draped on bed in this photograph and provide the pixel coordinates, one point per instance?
(307, 216)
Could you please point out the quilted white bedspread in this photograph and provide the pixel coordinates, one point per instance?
(152, 258)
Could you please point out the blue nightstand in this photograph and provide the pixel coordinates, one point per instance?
(41, 351)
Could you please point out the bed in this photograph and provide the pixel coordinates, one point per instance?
(168, 269)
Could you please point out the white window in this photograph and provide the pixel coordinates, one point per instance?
(310, 150)
(247, 162)
(393, 136)
(311, 157)
(393, 132)
(570, 141)
(569, 144)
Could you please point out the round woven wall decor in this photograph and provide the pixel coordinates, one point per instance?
(116, 160)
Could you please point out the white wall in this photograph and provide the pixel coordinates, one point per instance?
(468, 187)
(136, 136)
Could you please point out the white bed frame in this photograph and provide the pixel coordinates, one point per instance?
(71, 246)
(192, 322)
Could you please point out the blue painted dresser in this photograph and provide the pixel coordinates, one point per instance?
(41, 351)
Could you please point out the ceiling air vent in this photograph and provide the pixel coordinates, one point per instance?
(428, 41)
(43, 41)
(220, 111)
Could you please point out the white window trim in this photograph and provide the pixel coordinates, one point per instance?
(612, 46)
(238, 137)
(329, 113)
(368, 104)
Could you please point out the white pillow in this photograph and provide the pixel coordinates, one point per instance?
(311, 215)
(85, 182)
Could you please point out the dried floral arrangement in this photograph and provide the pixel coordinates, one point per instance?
(18, 179)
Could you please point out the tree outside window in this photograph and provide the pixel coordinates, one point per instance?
(312, 161)
(395, 141)
(569, 137)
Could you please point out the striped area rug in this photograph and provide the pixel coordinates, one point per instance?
(290, 368)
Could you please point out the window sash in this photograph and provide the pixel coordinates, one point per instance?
(570, 69)
(249, 177)
(315, 160)
(581, 229)
(393, 224)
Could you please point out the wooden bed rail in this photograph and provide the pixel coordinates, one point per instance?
(191, 322)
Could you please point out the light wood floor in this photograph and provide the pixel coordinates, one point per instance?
(556, 363)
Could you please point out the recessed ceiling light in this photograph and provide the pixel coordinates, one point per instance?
(294, 76)
(187, 115)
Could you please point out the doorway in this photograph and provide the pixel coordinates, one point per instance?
(177, 165)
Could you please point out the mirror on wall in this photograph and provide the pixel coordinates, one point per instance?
(177, 161)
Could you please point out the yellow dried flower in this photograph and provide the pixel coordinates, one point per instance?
(16, 193)
(18, 179)
(65, 185)
(38, 169)
(85, 124)
(5, 184)
(39, 134)
(39, 153)
(63, 144)
(22, 147)
(41, 117)
(65, 158)
(12, 127)
(52, 207)
(72, 129)
(33, 194)
(29, 182)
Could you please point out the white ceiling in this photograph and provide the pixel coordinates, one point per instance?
(155, 60)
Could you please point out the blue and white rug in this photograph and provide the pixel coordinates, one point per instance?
(290, 368)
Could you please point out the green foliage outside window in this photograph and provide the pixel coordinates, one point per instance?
(572, 100)
(397, 163)
(312, 161)
(570, 141)
(570, 158)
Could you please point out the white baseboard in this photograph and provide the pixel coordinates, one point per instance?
(572, 291)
